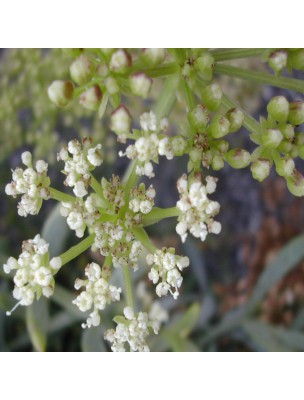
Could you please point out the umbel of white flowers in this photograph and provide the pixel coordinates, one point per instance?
(34, 272)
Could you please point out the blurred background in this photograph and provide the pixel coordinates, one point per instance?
(244, 290)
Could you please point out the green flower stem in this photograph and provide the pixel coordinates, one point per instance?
(164, 70)
(190, 99)
(167, 98)
(75, 251)
(60, 196)
(130, 177)
(249, 122)
(157, 214)
(180, 55)
(128, 286)
(96, 186)
(143, 237)
(233, 54)
(260, 77)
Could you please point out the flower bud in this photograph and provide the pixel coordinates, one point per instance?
(91, 98)
(285, 146)
(296, 59)
(219, 126)
(278, 108)
(153, 56)
(278, 60)
(61, 92)
(236, 119)
(221, 145)
(212, 96)
(238, 158)
(120, 61)
(121, 120)
(296, 113)
(295, 184)
(260, 169)
(140, 84)
(217, 162)
(198, 118)
(82, 70)
(112, 85)
(301, 151)
(271, 138)
(205, 64)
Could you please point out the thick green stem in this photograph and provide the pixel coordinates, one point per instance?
(260, 77)
(60, 196)
(130, 177)
(75, 251)
(128, 286)
(157, 214)
(167, 98)
(164, 70)
(143, 237)
(190, 99)
(233, 54)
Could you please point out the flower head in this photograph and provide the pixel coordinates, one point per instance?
(32, 183)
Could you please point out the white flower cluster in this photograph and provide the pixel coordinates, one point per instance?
(142, 200)
(132, 329)
(31, 183)
(80, 160)
(81, 214)
(197, 211)
(151, 144)
(34, 272)
(116, 239)
(167, 267)
(97, 294)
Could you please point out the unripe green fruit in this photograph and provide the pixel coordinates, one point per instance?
(205, 64)
(271, 138)
(238, 158)
(278, 60)
(212, 96)
(61, 92)
(260, 169)
(219, 127)
(285, 167)
(217, 162)
(82, 70)
(236, 119)
(198, 118)
(296, 184)
(91, 98)
(287, 131)
(278, 108)
(296, 113)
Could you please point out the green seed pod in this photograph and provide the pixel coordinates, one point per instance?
(271, 138)
(121, 120)
(205, 64)
(287, 131)
(238, 158)
(91, 98)
(278, 108)
(278, 60)
(236, 119)
(296, 184)
(221, 145)
(82, 70)
(212, 96)
(198, 118)
(61, 92)
(285, 167)
(296, 113)
(285, 146)
(217, 162)
(219, 127)
(260, 169)
(140, 84)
